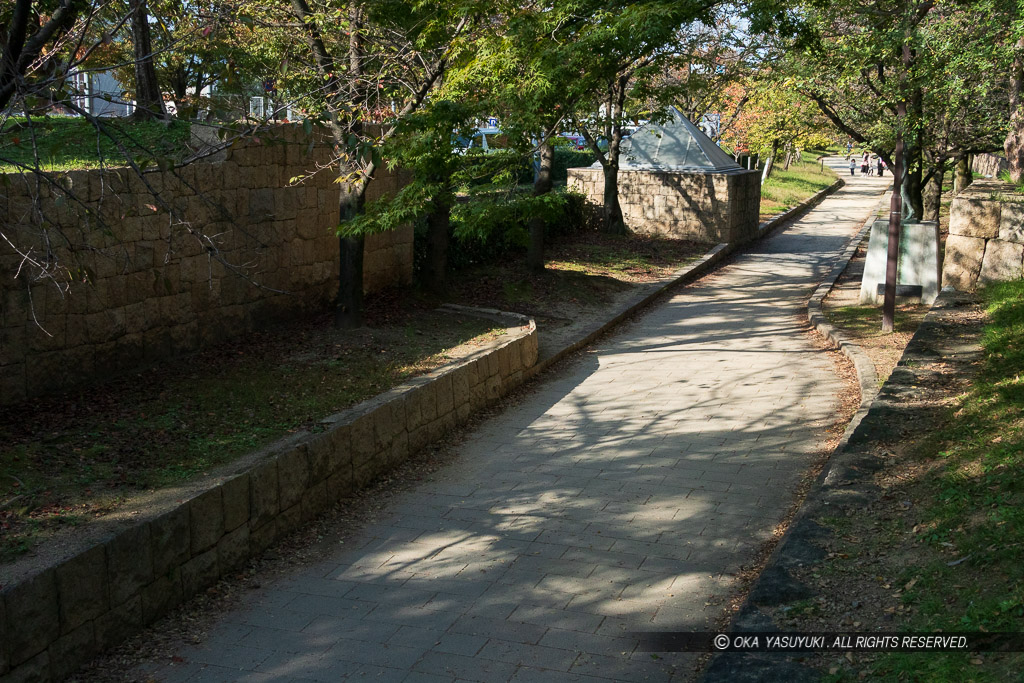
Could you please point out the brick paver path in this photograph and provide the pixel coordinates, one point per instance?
(622, 495)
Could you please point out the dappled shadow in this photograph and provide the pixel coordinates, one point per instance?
(625, 493)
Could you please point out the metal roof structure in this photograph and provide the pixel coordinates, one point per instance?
(676, 145)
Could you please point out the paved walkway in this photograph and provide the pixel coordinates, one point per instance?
(622, 495)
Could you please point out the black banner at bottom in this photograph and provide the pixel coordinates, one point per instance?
(790, 641)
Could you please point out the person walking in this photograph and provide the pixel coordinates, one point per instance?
(881, 166)
(853, 166)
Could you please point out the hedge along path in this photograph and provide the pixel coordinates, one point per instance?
(623, 494)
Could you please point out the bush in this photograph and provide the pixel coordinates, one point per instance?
(566, 158)
(486, 229)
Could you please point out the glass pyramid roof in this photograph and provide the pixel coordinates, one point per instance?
(676, 145)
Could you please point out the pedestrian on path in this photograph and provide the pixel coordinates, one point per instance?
(853, 167)
(881, 166)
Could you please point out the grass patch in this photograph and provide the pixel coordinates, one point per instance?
(973, 580)
(55, 143)
(67, 459)
(785, 189)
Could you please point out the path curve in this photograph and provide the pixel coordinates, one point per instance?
(622, 494)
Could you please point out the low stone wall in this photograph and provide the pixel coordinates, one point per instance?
(224, 247)
(986, 236)
(53, 619)
(989, 165)
(707, 207)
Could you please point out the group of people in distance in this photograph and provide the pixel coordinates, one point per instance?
(869, 164)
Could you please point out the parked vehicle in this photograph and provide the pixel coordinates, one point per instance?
(487, 139)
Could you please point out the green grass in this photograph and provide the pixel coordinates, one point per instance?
(785, 189)
(61, 143)
(977, 512)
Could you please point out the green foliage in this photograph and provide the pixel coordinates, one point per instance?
(485, 231)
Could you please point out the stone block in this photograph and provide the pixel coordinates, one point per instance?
(82, 588)
(206, 520)
(1011, 222)
(319, 452)
(388, 422)
(71, 650)
(1002, 261)
(170, 540)
(161, 596)
(263, 492)
(399, 450)
(974, 217)
(315, 501)
(460, 385)
(493, 389)
(199, 573)
(37, 670)
(235, 498)
(478, 396)
(262, 537)
(120, 622)
(289, 520)
(340, 484)
(292, 475)
(961, 263)
(33, 618)
(233, 549)
(445, 400)
(362, 434)
(338, 442)
(129, 562)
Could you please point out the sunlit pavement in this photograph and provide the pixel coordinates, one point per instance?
(623, 495)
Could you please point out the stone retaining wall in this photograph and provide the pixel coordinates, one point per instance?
(989, 165)
(145, 282)
(707, 207)
(986, 236)
(54, 619)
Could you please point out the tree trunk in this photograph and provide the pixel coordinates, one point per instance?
(769, 165)
(149, 103)
(611, 209)
(933, 194)
(789, 157)
(348, 312)
(1013, 146)
(892, 257)
(541, 186)
(438, 236)
(963, 176)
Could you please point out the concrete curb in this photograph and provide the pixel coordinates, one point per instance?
(867, 377)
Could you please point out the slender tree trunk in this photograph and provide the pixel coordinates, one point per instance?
(895, 212)
(769, 165)
(438, 237)
(963, 176)
(614, 223)
(348, 312)
(541, 186)
(789, 157)
(1013, 146)
(149, 103)
(933, 194)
